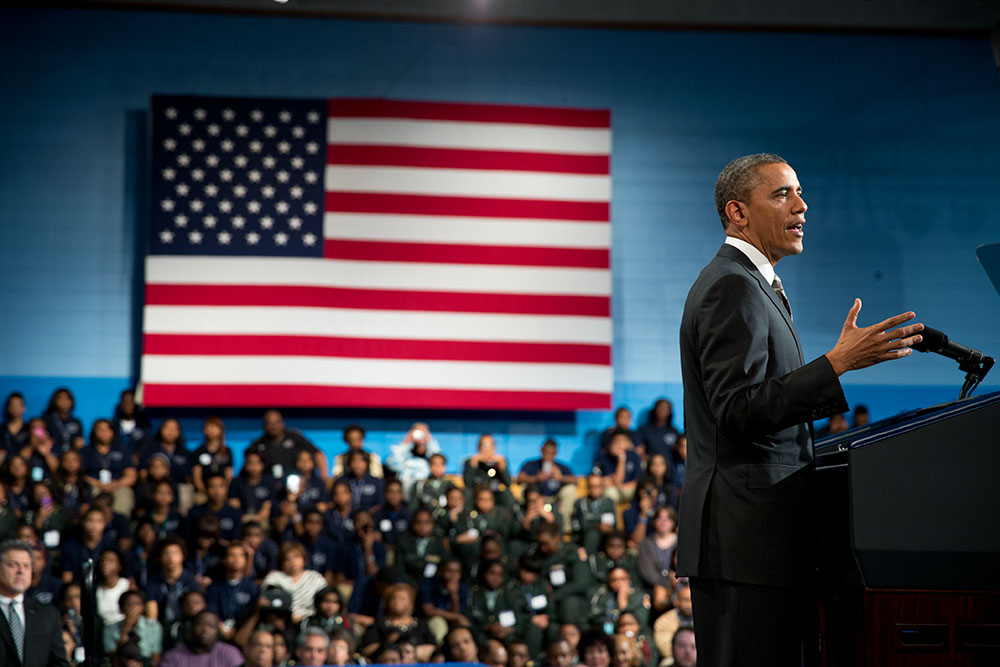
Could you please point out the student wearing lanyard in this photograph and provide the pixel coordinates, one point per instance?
(230, 598)
(164, 590)
(107, 467)
(65, 429)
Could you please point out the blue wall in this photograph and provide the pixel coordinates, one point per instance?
(896, 141)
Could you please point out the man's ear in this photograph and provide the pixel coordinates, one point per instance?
(736, 212)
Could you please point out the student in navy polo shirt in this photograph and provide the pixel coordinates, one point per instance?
(90, 544)
(131, 423)
(264, 551)
(339, 524)
(44, 587)
(658, 434)
(623, 422)
(321, 551)
(230, 519)
(14, 475)
(39, 452)
(161, 514)
(621, 467)
(205, 553)
(232, 594)
(164, 589)
(69, 487)
(392, 519)
(253, 493)
(169, 441)
(107, 467)
(311, 490)
(65, 429)
(212, 457)
(366, 491)
(15, 427)
(554, 479)
(361, 558)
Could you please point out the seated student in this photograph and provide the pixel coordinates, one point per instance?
(301, 583)
(410, 457)
(169, 440)
(229, 597)
(430, 492)
(202, 646)
(460, 646)
(107, 467)
(65, 429)
(38, 451)
(161, 513)
(613, 553)
(50, 520)
(366, 491)
(272, 613)
(656, 556)
(360, 559)
(488, 468)
(157, 470)
(658, 435)
(279, 446)
(677, 462)
(192, 603)
(627, 652)
(259, 649)
(44, 588)
(536, 511)
(338, 523)
(14, 428)
(667, 624)
(14, 476)
(69, 488)
(217, 505)
(566, 568)
(119, 527)
(534, 605)
(165, 588)
(621, 467)
(393, 518)
(91, 542)
(330, 611)
(558, 653)
(310, 489)
(485, 516)
(419, 553)
(264, 550)
(623, 423)
(342, 648)
(637, 517)
(554, 479)
(206, 551)
(321, 551)
(354, 436)
(398, 618)
(490, 607)
(657, 475)
(456, 527)
(593, 516)
(570, 633)
(610, 600)
(212, 457)
(70, 605)
(134, 627)
(137, 560)
(132, 426)
(254, 491)
(443, 598)
(109, 585)
(628, 626)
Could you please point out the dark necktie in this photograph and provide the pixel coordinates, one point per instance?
(776, 284)
(16, 630)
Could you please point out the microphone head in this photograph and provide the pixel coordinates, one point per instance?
(933, 341)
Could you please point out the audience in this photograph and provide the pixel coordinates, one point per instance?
(398, 564)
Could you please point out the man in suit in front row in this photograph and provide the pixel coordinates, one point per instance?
(30, 632)
(748, 399)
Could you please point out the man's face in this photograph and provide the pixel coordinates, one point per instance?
(217, 489)
(485, 502)
(358, 466)
(618, 579)
(462, 646)
(560, 654)
(204, 630)
(236, 559)
(437, 467)
(260, 650)
(685, 652)
(775, 213)
(496, 655)
(15, 572)
(548, 452)
(274, 425)
(355, 439)
(394, 495)
(193, 604)
(313, 652)
(517, 655)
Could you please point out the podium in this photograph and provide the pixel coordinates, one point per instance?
(909, 549)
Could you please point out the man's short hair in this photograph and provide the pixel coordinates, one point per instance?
(683, 628)
(738, 180)
(313, 631)
(14, 545)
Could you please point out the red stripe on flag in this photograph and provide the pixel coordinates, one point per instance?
(374, 299)
(441, 253)
(194, 395)
(479, 113)
(375, 348)
(363, 202)
(450, 158)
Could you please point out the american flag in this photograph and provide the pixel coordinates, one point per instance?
(377, 253)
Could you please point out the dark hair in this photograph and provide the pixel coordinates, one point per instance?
(353, 427)
(683, 628)
(485, 565)
(6, 405)
(180, 431)
(357, 453)
(738, 179)
(529, 563)
(595, 637)
(652, 413)
(93, 432)
(323, 592)
(438, 455)
(128, 594)
(214, 475)
(55, 394)
(548, 528)
(14, 545)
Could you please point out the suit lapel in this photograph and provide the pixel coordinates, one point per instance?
(737, 255)
(31, 626)
(8, 639)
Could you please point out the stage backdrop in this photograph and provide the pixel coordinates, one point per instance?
(896, 140)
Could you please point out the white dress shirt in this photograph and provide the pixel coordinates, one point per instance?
(18, 602)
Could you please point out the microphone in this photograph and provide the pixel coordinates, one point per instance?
(937, 342)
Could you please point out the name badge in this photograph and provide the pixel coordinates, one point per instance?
(205, 459)
(442, 501)
(557, 577)
(37, 474)
(277, 470)
(608, 518)
(385, 525)
(507, 619)
(539, 602)
(474, 532)
(51, 538)
(80, 654)
(430, 569)
(104, 476)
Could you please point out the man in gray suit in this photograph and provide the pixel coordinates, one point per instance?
(748, 399)
(30, 632)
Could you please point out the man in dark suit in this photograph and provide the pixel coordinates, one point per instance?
(748, 399)
(30, 632)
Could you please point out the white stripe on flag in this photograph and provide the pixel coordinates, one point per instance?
(414, 276)
(383, 324)
(469, 135)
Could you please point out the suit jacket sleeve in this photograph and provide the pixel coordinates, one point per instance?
(742, 388)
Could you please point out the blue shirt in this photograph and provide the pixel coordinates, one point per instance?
(633, 465)
(229, 600)
(392, 522)
(432, 591)
(367, 492)
(167, 596)
(116, 462)
(180, 460)
(549, 487)
(252, 496)
(321, 554)
(75, 553)
(230, 520)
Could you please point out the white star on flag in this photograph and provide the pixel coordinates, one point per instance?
(166, 236)
(252, 238)
(167, 204)
(224, 238)
(194, 237)
(281, 238)
(170, 113)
